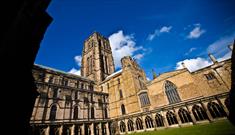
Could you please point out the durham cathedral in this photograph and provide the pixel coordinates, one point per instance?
(103, 101)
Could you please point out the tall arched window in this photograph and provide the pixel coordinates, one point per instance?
(159, 120)
(120, 94)
(144, 99)
(199, 113)
(75, 113)
(130, 125)
(105, 113)
(216, 110)
(184, 116)
(171, 92)
(149, 122)
(53, 112)
(123, 109)
(139, 124)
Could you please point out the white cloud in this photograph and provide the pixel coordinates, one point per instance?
(123, 45)
(220, 46)
(190, 50)
(138, 56)
(193, 64)
(196, 32)
(226, 56)
(78, 59)
(158, 32)
(75, 71)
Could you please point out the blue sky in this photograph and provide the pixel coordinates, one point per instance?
(159, 34)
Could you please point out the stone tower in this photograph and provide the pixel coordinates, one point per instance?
(97, 58)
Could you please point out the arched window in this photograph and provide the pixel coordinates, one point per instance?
(92, 113)
(130, 125)
(171, 118)
(120, 94)
(122, 127)
(149, 122)
(171, 92)
(123, 109)
(199, 113)
(139, 124)
(144, 99)
(75, 113)
(53, 113)
(216, 110)
(159, 120)
(184, 116)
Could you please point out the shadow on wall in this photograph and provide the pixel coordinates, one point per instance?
(232, 91)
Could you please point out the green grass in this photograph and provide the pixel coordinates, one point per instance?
(223, 127)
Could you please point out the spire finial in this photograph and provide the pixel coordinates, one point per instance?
(154, 74)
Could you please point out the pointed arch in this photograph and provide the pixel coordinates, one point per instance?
(184, 116)
(216, 110)
(53, 112)
(130, 125)
(139, 124)
(148, 122)
(171, 118)
(159, 120)
(122, 127)
(199, 113)
(75, 112)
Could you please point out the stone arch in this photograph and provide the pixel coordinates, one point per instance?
(149, 122)
(122, 127)
(130, 125)
(139, 124)
(159, 120)
(184, 116)
(53, 111)
(216, 110)
(171, 118)
(199, 113)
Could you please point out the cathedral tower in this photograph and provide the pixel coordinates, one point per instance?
(97, 58)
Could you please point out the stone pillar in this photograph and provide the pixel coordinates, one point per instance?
(107, 128)
(61, 130)
(126, 129)
(72, 129)
(192, 117)
(144, 125)
(134, 124)
(82, 129)
(210, 118)
(92, 128)
(47, 130)
(165, 120)
(154, 121)
(100, 128)
(177, 117)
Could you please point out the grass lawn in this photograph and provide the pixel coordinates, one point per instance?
(223, 127)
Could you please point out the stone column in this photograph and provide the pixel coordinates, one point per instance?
(144, 125)
(61, 130)
(126, 129)
(177, 117)
(134, 124)
(107, 128)
(210, 118)
(92, 128)
(165, 120)
(82, 127)
(100, 128)
(154, 121)
(72, 129)
(47, 130)
(192, 117)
